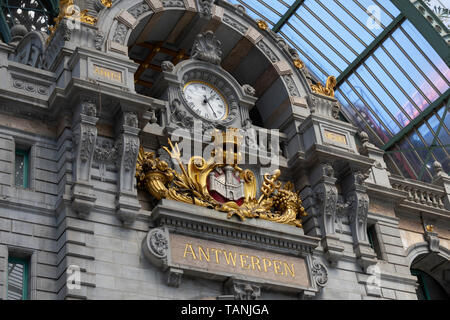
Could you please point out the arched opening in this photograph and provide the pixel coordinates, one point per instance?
(431, 270)
(169, 36)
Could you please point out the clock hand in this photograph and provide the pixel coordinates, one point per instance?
(207, 101)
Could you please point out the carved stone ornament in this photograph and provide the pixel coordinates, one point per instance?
(89, 108)
(180, 117)
(242, 290)
(167, 66)
(248, 89)
(215, 184)
(207, 48)
(319, 273)
(155, 247)
(431, 237)
(131, 119)
(206, 7)
(158, 243)
(88, 138)
(131, 150)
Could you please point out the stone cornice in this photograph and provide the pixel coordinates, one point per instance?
(209, 224)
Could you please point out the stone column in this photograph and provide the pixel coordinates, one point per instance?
(127, 204)
(85, 136)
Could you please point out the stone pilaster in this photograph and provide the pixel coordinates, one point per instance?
(127, 204)
(85, 136)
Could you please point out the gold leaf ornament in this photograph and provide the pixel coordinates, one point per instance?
(276, 203)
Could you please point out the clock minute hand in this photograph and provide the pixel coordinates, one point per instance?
(207, 101)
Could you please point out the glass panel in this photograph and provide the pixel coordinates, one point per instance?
(334, 24)
(16, 280)
(331, 57)
(363, 111)
(402, 80)
(427, 49)
(420, 60)
(389, 6)
(270, 11)
(385, 80)
(29, 13)
(348, 20)
(372, 100)
(20, 169)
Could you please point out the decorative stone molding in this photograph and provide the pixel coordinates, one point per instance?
(207, 48)
(326, 196)
(320, 273)
(242, 290)
(155, 246)
(127, 205)
(358, 207)
(205, 8)
(85, 136)
(324, 106)
(174, 277)
(431, 236)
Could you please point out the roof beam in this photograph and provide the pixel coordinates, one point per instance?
(292, 9)
(370, 49)
(418, 120)
(425, 27)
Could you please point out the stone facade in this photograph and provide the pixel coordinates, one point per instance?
(79, 115)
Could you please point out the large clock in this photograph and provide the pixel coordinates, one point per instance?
(206, 100)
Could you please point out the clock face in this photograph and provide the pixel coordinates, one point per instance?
(205, 100)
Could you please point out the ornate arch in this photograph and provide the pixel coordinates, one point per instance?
(117, 24)
(418, 249)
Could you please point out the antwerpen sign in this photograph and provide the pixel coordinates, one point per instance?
(180, 254)
(218, 258)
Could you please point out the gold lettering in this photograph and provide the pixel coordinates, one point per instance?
(230, 258)
(291, 271)
(336, 137)
(106, 73)
(277, 267)
(265, 264)
(244, 261)
(217, 254)
(202, 252)
(191, 251)
(255, 262)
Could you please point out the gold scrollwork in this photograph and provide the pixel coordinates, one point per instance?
(67, 9)
(277, 203)
(328, 90)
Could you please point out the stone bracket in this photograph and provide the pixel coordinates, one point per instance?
(242, 290)
(333, 251)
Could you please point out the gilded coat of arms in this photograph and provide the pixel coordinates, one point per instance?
(220, 185)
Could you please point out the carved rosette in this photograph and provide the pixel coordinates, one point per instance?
(158, 243)
(156, 247)
(319, 273)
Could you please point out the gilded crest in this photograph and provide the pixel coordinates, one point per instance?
(220, 184)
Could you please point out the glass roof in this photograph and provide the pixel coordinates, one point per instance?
(391, 81)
